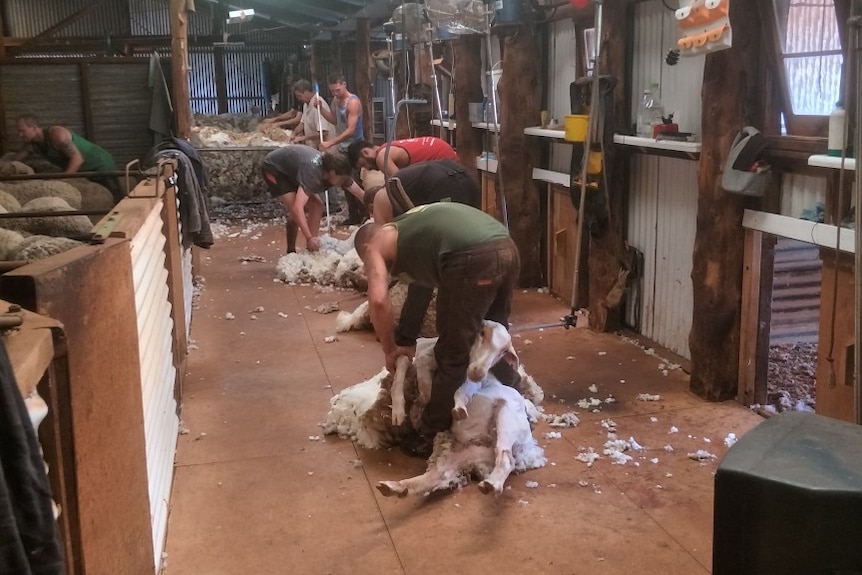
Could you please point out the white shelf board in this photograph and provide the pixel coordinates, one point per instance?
(637, 141)
(824, 161)
(486, 126)
(448, 124)
(545, 132)
(552, 177)
(486, 165)
(802, 230)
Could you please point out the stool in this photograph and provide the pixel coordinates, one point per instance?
(788, 499)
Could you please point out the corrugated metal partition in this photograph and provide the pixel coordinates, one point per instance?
(802, 194)
(562, 56)
(662, 223)
(662, 210)
(158, 374)
(115, 94)
(27, 18)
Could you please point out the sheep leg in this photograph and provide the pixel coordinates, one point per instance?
(446, 472)
(508, 432)
(397, 391)
(462, 397)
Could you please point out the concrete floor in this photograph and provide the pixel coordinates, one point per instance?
(258, 490)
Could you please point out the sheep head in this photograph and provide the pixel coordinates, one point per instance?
(492, 344)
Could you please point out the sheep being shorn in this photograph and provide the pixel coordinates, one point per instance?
(493, 440)
(359, 320)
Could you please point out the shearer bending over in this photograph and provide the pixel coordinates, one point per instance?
(402, 153)
(471, 260)
(298, 176)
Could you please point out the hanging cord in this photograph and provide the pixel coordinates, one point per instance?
(845, 136)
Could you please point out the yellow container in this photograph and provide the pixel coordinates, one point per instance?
(576, 128)
(594, 163)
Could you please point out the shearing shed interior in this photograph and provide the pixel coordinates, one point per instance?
(639, 346)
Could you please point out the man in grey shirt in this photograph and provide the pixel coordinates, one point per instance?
(298, 176)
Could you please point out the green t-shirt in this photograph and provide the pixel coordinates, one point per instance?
(427, 233)
(96, 158)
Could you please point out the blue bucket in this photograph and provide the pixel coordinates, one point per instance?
(508, 12)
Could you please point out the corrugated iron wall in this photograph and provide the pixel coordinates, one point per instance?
(158, 374)
(562, 57)
(28, 18)
(661, 224)
(114, 93)
(801, 193)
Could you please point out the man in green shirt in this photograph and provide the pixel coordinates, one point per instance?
(471, 260)
(67, 150)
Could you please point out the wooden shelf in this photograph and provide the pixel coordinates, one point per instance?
(553, 133)
(552, 177)
(824, 161)
(486, 165)
(486, 126)
(448, 124)
(669, 148)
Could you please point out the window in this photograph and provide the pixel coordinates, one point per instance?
(810, 50)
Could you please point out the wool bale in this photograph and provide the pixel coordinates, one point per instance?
(38, 247)
(14, 168)
(32, 189)
(94, 196)
(9, 202)
(58, 226)
(234, 175)
(9, 241)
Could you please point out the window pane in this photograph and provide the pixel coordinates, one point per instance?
(814, 83)
(806, 26)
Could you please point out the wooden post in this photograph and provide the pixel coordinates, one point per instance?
(520, 103)
(219, 17)
(362, 77)
(607, 244)
(2, 37)
(468, 88)
(86, 101)
(756, 312)
(336, 65)
(180, 68)
(718, 247)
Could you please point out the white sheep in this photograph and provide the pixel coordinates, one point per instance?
(9, 241)
(34, 248)
(492, 440)
(9, 202)
(31, 189)
(59, 226)
(360, 320)
(14, 168)
(94, 196)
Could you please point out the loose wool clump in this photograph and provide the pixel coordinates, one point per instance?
(32, 189)
(336, 263)
(34, 248)
(58, 226)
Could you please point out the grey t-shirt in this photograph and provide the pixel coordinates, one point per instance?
(299, 165)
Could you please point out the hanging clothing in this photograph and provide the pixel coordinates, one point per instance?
(29, 537)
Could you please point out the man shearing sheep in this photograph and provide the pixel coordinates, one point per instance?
(402, 153)
(298, 176)
(471, 260)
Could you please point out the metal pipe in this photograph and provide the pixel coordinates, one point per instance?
(492, 90)
(595, 109)
(389, 140)
(437, 102)
(855, 40)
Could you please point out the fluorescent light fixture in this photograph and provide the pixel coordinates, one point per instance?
(241, 14)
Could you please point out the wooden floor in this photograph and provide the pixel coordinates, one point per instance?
(258, 491)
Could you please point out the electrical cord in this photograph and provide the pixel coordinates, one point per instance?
(668, 7)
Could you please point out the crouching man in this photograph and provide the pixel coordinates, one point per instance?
(471, 260)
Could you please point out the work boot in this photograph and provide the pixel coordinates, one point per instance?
(417, 445)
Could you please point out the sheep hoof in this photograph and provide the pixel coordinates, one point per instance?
(459, 413)
(390, 488)
(486, 487)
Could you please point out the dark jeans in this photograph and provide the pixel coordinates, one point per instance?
(475, 284)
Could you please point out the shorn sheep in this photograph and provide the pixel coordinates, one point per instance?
(491, 438)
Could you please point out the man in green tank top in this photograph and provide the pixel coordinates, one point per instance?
(471, 260)
(68, 151)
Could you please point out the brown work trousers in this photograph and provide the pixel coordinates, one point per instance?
(476, 283)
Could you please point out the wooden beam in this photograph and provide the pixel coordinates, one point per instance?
(180, 68)
(86, 100)
(2, 37)
(756, 314)
(219, 17)
(717, 261)
(60, 25)
(468, 88)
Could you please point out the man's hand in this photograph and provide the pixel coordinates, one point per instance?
(324, 146)
(397, 352)
(313, 244)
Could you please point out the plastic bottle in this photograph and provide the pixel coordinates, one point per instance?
(644, 127)
(836, 145)
(656, 111)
